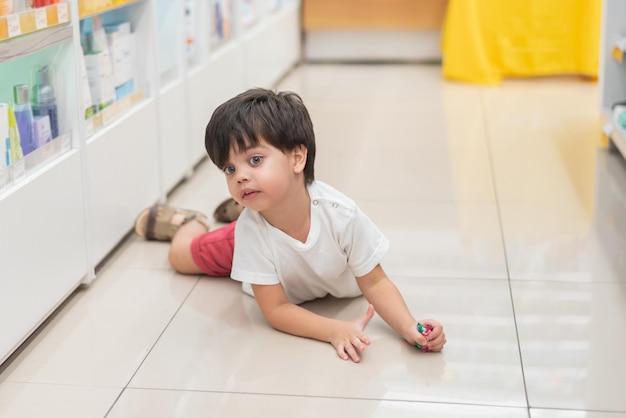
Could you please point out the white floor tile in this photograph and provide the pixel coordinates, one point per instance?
(138, 403)
(219, 341)
(581, 242)
(23, 400)
(572, 338)
(103, 334)
(460, 240)
(555, 413)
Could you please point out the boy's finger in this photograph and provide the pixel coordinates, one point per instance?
(369, 314)
(360, 343)
(352, 353)
(421, 341)
(341, 352)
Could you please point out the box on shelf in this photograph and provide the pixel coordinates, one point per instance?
(100, 76)
(42, 131)
(121, 43)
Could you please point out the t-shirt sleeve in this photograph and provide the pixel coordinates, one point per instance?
(364, 244)
(252, 258)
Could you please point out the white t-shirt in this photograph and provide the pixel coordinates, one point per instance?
(343, 243)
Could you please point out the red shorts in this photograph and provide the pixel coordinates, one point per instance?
(213, 252)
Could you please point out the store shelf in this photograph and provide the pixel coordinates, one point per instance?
(35, 20)
(33, 162)
(44, 252)
(113, 112)
(612, 74)
(616, 134)
(85, 10)
(617, 52)
(37, 41)
(95, 178)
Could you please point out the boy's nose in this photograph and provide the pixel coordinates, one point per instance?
(241, 176)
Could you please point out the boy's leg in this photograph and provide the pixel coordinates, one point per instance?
(212, 252)
(193, 249)
(180, 256)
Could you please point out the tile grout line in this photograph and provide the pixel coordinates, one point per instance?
(330, 397)
(117, 398)
(502, 238)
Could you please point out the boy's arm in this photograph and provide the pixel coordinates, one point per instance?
(347, 337)
(380, 291)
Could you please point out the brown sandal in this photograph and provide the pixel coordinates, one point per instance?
(227, 211)
(159, 222)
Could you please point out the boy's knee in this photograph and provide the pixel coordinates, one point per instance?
(181, 260)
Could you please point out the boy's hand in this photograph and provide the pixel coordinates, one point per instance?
(349, 339)
(434, 341)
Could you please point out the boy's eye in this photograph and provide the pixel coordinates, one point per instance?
(256, 160)
(229, 169)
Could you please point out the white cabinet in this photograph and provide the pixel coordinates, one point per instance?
(122, 154)
(65, 206)
(43, 253)
(612, 76)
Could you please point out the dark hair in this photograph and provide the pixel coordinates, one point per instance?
(280, 119)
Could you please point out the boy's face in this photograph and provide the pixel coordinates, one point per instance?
(262, 177)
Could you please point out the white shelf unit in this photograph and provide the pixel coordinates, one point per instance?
(122, 156)
(612, 75)
(43, 254)
(66, 206)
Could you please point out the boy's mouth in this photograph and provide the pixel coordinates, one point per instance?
(248, 194)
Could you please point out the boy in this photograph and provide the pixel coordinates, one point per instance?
(298, 239)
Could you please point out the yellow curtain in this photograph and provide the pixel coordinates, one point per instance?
(486, 40)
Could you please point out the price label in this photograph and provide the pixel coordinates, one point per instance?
(66, 143)
(41, 18)
(13, 25)
(5, 179)
(19, 170)
(109, 113)
(89, 127)
(123, 104)
(63, 12)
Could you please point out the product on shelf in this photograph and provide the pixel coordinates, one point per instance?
(24, 118)
(248, 11)
(121, 44)
(5, 141)
(87, 103)
(21, 5)
(6, 7)
(98, 65)
(44, 100)
(617, 52)
(41, 130)
(91, 6)
(190, 28)
(14, 138)
(221, 29)
(44, 3)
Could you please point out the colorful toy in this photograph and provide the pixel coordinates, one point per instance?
(425, 331)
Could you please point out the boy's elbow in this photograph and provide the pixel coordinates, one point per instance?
(277, 317)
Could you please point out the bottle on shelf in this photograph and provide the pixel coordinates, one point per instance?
(15, 153)
(22, 5)
(44, 102)
(6, 7)
(24, 118)
(44, 3)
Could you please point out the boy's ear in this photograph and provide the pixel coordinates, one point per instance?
(299, 158)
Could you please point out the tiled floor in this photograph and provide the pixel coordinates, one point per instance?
(507, 222)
